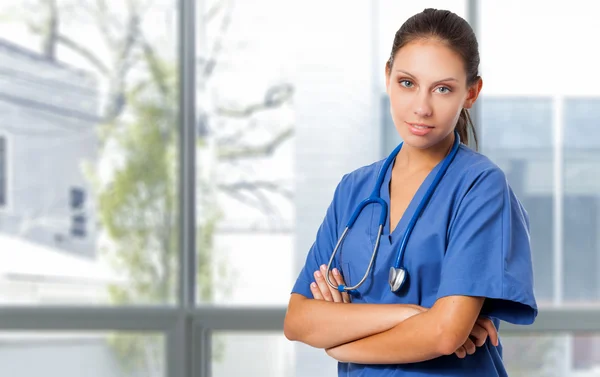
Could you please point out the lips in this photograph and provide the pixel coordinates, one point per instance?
(419, 129)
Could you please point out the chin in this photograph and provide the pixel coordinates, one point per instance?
(423, 142)
(419, 142)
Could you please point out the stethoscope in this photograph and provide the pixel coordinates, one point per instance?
(398, 273)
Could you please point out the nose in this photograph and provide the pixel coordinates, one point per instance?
(422, 105)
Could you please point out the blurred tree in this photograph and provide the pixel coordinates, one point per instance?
(137, 204)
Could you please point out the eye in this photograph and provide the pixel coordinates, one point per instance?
(406, 83)
(443, 89)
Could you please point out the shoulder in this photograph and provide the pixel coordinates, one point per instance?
(362, 176)
(476, 170)
(357, 185)
(483, 183)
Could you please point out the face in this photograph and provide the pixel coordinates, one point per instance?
(427, 86)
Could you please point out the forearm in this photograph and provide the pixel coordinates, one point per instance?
(323, 324)
(417, 339)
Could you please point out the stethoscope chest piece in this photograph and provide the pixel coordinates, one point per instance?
(396, 278)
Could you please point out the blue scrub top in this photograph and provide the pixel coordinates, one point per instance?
(472, 239)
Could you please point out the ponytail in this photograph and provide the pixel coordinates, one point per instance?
(462, 127)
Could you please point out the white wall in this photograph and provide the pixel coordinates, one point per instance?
(48, 117)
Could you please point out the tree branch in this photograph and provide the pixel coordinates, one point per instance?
(51, 30)
(212, 12)
(124, 61)
(100, 13)
(208, 65)
(256, 185)
(255, 151)
(75, 47)
(268, 207)
(252, 202)
(227, 140)
(129, 39)
(275, 97)
(257, 200)
(154, 66)
(102, 20)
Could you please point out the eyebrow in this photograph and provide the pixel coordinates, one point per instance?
(438, 81)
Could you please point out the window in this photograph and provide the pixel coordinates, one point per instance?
(77, 198)
(78, 217)
(55, 108)
(552, 127)
(3, 171)
(581, 203)
(517, 135)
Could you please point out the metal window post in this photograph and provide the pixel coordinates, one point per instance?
(473, 19)
(180, 341)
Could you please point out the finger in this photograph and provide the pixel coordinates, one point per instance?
(346, 298)
(339, 279)
(490, 328)
(479, 335)
(337, 295)
(469, 347)
(314, 288)
(461, 353)
(323, 286)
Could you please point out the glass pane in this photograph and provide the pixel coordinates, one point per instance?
(236, 354)
(89, 104)
(78, 354)
(522, 60)
(3, 166)
(559, 355)
(525, 155)
(245, 153)
(516, 71)
(581, 206)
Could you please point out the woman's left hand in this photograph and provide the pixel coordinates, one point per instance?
(483, 329)
(322, 291)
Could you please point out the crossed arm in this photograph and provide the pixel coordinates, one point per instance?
(386, 333)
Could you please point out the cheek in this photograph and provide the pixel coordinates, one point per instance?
(399, 102)
(448, 111)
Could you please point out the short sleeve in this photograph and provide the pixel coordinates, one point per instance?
(488, 253)
(321, 250)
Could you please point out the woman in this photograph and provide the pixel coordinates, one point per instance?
(467, 259)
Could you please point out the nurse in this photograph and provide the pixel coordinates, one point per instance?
(468, 258)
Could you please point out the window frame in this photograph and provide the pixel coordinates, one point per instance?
(6, 159)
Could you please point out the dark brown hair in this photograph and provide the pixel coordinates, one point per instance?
(451, 29)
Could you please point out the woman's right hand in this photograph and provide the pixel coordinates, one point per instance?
(322, 291)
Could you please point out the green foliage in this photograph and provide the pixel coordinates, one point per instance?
(138, 209)
(139, 353)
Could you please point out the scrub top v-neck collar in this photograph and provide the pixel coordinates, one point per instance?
(384, 192)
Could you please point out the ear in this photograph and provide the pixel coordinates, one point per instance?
(473, 93)
(387, 78)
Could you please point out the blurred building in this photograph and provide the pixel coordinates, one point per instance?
(49, 112)
(47, 231)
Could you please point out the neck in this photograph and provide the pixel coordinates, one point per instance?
(413, 159)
